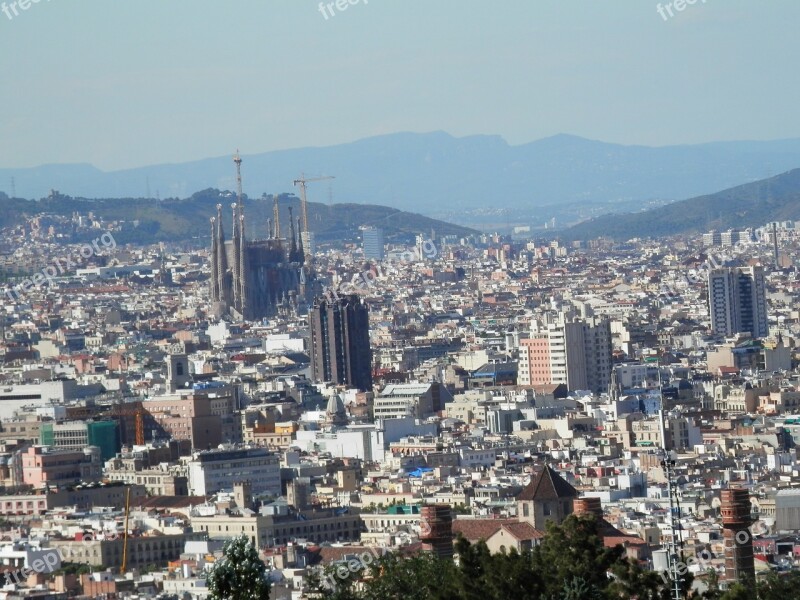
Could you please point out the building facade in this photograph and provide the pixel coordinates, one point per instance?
(573, 352)
(270, 530)
(218, 470)
(256, 279)
(43, 466)
(340, 346)
(737, 301)
(372, 243)
(77, 435)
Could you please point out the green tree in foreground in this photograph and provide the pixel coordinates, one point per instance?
(572, 563)
(240, 574)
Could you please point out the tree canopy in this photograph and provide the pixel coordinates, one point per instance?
(571, 563)
(240, 574)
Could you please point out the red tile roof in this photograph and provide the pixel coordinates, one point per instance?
(475, 530)
(547, 485)
(524, 531)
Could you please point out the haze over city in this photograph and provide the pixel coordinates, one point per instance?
(131, 84)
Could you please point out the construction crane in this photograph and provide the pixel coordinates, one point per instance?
(125, 533)
(138, 414)
(303, 202)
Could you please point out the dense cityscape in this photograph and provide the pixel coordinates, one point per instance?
(358, 300)
(391, 397)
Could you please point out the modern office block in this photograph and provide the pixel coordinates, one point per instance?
(340, 348)
(737, 301)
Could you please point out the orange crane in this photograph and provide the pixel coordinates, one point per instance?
(125, 542)
(303, 202)
(138, 414)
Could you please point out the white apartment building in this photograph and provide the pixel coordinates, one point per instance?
(217, 470)
(569, 351)
(398, 401)
(737, 301)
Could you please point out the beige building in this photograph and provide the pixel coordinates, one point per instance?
(142, 551)
(469, 407)
(783, 401)
(111, 494)
(260, 428)
(162, 480)
(28, 429)
(519, 536)
(271, 530)
(742, 399)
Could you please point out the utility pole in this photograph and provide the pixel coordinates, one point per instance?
(675, 552)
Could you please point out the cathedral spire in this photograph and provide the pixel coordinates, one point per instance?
(214, 281)
(301, 254)
(293, 245)
(221, 262)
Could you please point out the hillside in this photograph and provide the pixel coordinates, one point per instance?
(753, 204)
(444, 176)
(188, 219)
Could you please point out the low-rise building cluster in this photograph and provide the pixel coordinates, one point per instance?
(480, 387)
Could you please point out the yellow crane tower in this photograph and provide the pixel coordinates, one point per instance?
(125, 533)
(303, 202)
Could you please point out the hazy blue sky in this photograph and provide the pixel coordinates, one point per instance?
(127, 83)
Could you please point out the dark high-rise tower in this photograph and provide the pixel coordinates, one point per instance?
(340, 351)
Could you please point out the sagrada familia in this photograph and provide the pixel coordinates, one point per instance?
(253, 280)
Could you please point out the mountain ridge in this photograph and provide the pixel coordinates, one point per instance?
(749, 205)
(430, 172)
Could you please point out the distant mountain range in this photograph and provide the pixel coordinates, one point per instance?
(481, 180)
(177, 220)
(749, 205)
